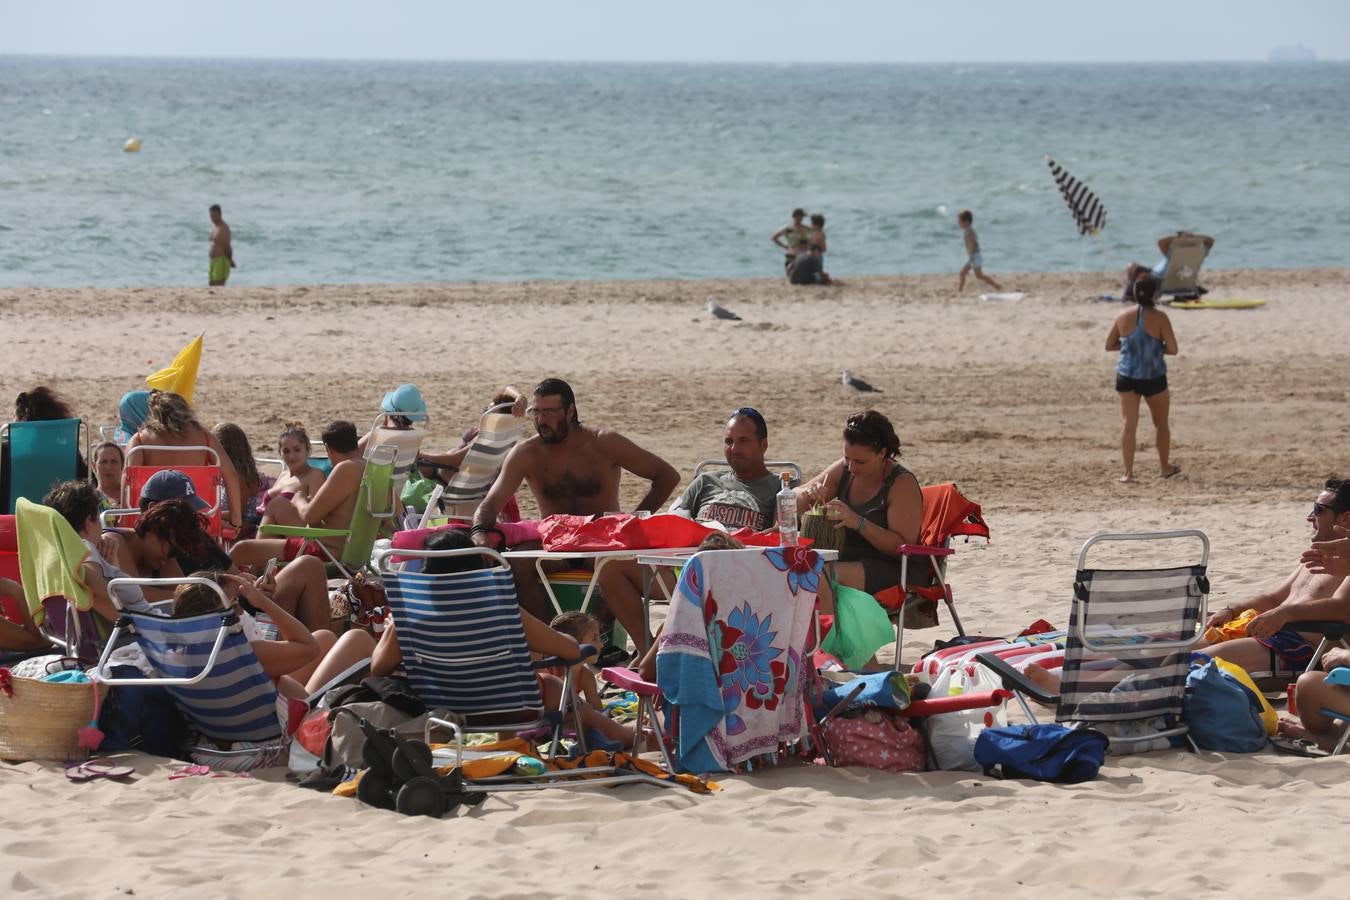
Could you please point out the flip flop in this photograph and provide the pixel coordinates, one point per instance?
(1175, 470)
(97, 768)
(1298, 747)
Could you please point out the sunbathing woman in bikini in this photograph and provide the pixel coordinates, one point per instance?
(300, 478)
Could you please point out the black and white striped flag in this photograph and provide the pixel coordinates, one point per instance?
(1087, 210)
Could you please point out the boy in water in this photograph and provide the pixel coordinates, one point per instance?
(973, 259)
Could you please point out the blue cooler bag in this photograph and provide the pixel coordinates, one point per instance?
(1042, 752)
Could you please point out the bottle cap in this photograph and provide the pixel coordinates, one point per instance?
(786, 477)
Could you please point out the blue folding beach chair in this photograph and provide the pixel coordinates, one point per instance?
(36, 455)
(208, 667)
(465, 653)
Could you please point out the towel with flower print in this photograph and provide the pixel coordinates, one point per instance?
(731, 653)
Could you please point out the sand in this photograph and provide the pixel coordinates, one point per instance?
(1012, 400)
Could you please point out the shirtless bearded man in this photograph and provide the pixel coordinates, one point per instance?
(575, 469)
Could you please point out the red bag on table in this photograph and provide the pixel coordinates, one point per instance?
(628, 532)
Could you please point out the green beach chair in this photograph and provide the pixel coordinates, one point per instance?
(374, 512)
(36, 455)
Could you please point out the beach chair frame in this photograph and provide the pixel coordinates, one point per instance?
(376, 504)
(1181, 271)
(269, 752)
(491, 721)
(1081, 641)
(705, 465)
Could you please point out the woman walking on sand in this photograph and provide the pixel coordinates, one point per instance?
(1143, 336)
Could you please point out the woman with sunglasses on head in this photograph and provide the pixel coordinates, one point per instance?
(871, 495)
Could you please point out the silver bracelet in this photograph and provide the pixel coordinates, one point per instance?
(862, 523)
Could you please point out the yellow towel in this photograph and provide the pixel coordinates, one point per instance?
(51, 558)
(180, 376)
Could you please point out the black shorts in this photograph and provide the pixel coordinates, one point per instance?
(1144, 387)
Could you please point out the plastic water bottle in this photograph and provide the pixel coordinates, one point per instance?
(787, 513)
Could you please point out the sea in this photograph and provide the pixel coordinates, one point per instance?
(344, 172)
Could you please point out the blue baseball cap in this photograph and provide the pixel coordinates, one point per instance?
(171, 484)
(405, 400)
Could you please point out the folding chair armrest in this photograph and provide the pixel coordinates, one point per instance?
(301, 531)
(1339, 676)
(630, 680)
(940, 705)
(1332, 630)
(548, 662)
(923, 550)
(1014, 680)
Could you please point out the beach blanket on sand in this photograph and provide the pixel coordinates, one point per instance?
(731, 653)
(50, 557)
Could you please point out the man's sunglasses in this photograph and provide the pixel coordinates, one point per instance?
(1319, 508)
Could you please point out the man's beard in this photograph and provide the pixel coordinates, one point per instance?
(555, 435)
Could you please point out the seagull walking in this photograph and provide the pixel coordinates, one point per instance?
(853, 381)
(720, 312)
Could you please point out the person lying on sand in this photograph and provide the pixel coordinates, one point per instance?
(1303, 595)
(575, 469)
(299, 661)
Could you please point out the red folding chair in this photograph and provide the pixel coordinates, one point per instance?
(9, 567)
(946, 514)
(209, 482)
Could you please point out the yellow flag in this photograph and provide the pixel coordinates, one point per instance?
(180, 376)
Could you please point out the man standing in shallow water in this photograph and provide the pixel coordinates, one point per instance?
(222, 253)
(575, 469)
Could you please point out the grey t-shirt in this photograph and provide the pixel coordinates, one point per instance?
(722, 497)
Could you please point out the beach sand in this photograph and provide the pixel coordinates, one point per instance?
(1012, 400)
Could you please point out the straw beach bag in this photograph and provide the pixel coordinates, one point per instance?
(42, 719)
(820, 529)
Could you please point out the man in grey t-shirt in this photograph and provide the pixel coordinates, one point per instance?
(745, 496)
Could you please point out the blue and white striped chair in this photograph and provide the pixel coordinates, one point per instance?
(465, 654)
(207, 665)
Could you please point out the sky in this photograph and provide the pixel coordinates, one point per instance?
(689, 31)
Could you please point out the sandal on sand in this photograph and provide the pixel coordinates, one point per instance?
(97, 768)
(1175, 470)
(1298, 747)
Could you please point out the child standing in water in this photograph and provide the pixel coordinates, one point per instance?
(973, 259)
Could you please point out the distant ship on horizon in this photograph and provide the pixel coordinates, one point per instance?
(1295, 53)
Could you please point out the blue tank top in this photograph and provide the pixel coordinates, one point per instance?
(1141, 354)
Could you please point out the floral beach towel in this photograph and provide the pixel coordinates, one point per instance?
(730, 657)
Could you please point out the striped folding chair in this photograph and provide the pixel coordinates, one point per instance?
(465, 653)
(498, 432)
(215, 679)
(1127, 653)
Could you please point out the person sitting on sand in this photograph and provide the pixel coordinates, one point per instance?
(793, 238)
(601, 731)
(869, 493)
(42, 404)
(170, 422)
(747, 495)
(1143, 336)
(109, 461)
(330, 506)
(809, 268)
(299, 661)
(585, 629)
(298, 478)
(575, 469)
(236, 446)
(1303, 596)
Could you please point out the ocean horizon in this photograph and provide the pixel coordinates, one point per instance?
(366, 171)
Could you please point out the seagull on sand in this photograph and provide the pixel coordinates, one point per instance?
(719, 312)
(853, 381)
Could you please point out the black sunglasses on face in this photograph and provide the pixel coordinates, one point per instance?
(1319, 508)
